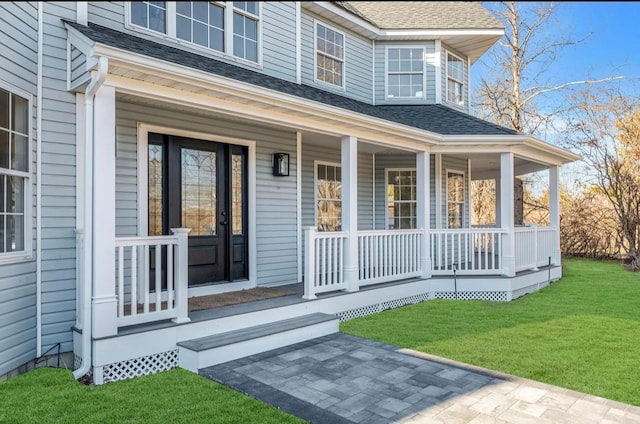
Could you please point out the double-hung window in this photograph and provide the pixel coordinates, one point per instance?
(227, 27)
(329, 55)
(401, 199)
(328, 197)
(14, 173)
(405, 72)
(455, 79)
(455, 199)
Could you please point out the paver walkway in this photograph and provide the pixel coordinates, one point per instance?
(346, 379)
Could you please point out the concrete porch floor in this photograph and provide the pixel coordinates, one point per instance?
(346, 379)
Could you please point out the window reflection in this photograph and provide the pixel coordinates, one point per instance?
(199, 192)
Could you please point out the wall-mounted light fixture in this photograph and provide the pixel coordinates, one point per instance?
(281, 164)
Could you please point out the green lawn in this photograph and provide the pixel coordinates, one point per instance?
(582, 332)
(49, 395)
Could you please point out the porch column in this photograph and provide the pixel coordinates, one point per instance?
(423, 218)
(350, 210)
(506, 214)
(497, 202)
(104, 299)
(554, 212)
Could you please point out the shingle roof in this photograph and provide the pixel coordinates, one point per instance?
(423, 14)
(439, 119)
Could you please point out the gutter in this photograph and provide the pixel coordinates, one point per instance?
(39, 184)
(97, 79)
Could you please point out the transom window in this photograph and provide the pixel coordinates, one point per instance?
(401, 199)
(405, 72)
(204, 23)
(455, 79)
(14, 172)
(329, 197)
(329, 55)
(455, 199)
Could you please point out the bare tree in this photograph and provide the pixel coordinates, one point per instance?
(606, 128)
(510, 94)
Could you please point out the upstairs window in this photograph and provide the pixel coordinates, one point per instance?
(455, 199)
(405, 72)
(150, 14)
(455, 79)
(14, 173)
(245, 30)
(201, 23)
(329, 197)
(329, 55)
(226, 27)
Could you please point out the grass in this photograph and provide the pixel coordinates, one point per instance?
(49, 395)
(581, 333)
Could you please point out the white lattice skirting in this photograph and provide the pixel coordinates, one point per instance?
(382, 306)
(493, 296)
(138, 367)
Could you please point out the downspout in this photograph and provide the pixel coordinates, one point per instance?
(39, 184)
(97, 79)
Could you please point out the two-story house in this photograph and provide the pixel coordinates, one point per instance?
(156, 152)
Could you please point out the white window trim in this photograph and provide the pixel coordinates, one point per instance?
(448, 77)
(386, 71)
(228, 32)
(315, 187)
(386, 194)
(446, 196)
(343, 87)
(27, 253)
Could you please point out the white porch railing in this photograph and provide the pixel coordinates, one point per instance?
(388, 255)
(534, 247)
(141, 299)
(467, 251)
(324, 262)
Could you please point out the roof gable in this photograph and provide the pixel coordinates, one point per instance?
(423, 14)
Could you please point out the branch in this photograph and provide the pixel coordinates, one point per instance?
(565, 85)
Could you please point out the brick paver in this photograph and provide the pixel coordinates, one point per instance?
(346, 379)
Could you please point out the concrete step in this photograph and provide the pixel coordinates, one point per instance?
(219, 348)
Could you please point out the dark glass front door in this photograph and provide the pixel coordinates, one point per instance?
(201, 185)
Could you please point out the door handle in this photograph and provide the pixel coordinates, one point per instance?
(224, 218)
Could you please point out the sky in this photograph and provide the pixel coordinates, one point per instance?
(612, 48)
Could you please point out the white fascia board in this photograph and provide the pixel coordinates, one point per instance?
(257, 94)
(387, 34)
(522, 145)
(366, 28)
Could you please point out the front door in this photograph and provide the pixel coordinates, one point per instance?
(201, 185)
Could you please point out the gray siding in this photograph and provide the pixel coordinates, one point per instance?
(19, 23)
(276, 231)
(279, 39)
(357, 62)
(399, 160)
(445, 49)
(79, 74)
(58, 183)
(107, 13)
(381, 79)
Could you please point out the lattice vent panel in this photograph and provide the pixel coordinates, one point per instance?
(138, 367)
(493, 296)
(379, 307)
